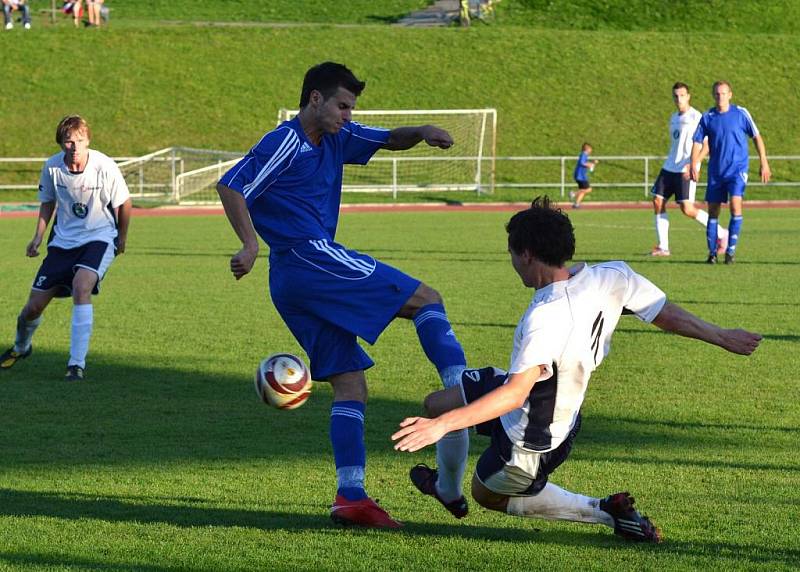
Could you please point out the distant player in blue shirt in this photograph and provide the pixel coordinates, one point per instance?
(289, 187)
(583, 167)
(727, 127)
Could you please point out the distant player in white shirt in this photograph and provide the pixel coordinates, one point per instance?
(89, 196)
(532, 413)
(674, 176)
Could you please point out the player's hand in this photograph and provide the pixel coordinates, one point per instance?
(694, 173)
(120, 244)
(436, 137)
(765, 172)
(741, 341)
(242, 262)
(418, 432)
(32, 250)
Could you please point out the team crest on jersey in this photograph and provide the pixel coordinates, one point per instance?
(80, 210)
(676, 133)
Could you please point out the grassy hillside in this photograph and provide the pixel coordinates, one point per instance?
(220, 88)
(765, 16)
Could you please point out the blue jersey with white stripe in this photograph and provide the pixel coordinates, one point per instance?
(292, 187)
(727, 140)
(581, 172)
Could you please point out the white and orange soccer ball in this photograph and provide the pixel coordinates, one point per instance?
(283, 381)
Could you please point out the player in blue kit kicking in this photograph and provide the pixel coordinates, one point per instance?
(288, 187)
(727, 127)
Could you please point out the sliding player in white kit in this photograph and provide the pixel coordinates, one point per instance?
(674, 176)
(533, 413)
(89, 196)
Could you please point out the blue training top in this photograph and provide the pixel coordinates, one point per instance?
(727, 141)
(292, 187)
(581, 173)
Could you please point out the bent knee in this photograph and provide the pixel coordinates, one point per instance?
(428, 295)
(486, 498)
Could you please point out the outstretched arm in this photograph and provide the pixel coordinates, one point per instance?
(673, 318)
(406, 137)
(236, 211)
(418, 432)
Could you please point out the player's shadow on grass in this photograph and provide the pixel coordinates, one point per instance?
(23, 504)
(58, 560)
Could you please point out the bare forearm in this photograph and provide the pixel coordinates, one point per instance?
(761, 149)
(236, 211)
(123, 219)
(675, 319)
(45, 214)
(402, 138)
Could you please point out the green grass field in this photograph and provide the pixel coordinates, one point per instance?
(164, 459)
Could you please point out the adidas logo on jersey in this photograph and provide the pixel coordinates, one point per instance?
(305, 148)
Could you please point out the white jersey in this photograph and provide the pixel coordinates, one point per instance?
(84, 201)
(681, 130)
(567, 331)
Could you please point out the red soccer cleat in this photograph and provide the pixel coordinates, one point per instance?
(365, 512)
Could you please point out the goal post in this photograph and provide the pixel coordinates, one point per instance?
(467, 166)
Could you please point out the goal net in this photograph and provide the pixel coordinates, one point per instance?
(467, 166)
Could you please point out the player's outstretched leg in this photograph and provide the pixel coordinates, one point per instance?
(440, 344)
(352, 505)
(615, 511)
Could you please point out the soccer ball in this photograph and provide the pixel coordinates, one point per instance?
(283, 381)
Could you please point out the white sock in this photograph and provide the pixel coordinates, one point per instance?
(662, 230)
(451, 461)
(25, 331)
(82, 319)
(555, 503)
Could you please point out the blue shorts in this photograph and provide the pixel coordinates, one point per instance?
(494, 469)
(61, 264)
(719, 190)
(328, 296)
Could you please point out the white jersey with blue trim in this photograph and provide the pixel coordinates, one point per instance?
(728, 135)
(293, 187)
(567, 331)
(84, 201)
(681, 130)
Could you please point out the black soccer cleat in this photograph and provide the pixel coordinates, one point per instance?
(11, 357)
(74, 373)
(424, 478)
(712, 259)
(628, 522)
(729, 258)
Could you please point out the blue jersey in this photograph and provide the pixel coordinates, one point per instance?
(727, 141)
(292, 187)
(581, 172)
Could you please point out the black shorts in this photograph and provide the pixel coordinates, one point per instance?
(668, 184)
(477, 383)
(583, 184)
(60, 265)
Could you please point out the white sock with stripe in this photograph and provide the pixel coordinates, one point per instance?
(555, 503)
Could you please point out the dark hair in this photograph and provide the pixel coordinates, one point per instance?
(69, 124)
(327, 78)
(543, 231)
(585, 145)
(680, 84)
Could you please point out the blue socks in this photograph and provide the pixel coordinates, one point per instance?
(439, 342)
(349, 450)
(711, 235)
(733, 233)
